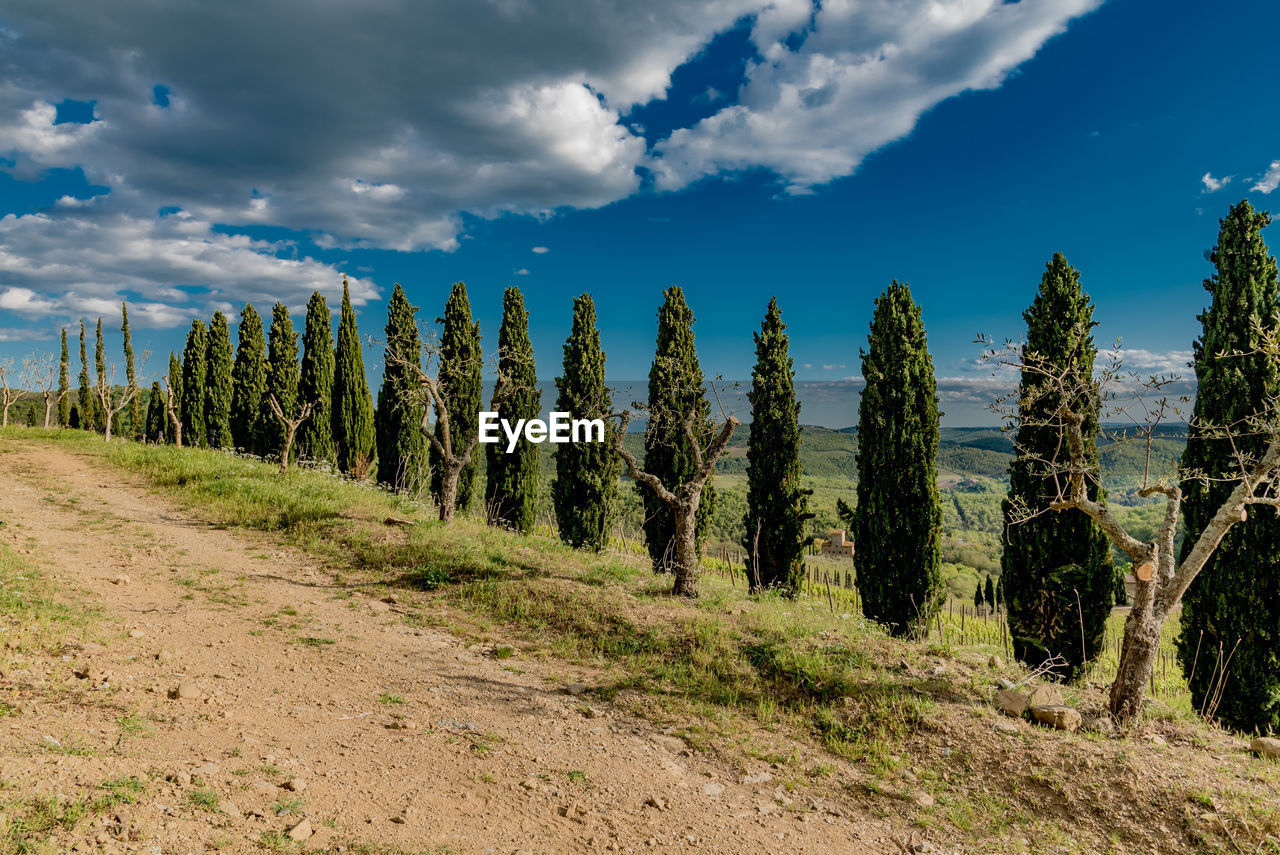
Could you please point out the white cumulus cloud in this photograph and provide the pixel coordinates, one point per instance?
(1270, 180)
(1213, 185)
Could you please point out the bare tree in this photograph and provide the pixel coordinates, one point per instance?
(106, 393)
(290, 427)
(7, 396)
(453, 457)
(1161, 578)
(171, 412)
(686, 498)
(41, 370)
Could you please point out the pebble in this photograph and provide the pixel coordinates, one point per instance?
(712, 788)
(185, 692)
(295, 785)
(136, 633)
(576, 688)
(671, 743)
(300, 832)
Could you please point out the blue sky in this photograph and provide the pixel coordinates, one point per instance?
(740, 149)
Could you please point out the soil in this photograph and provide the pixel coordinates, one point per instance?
(225, 663)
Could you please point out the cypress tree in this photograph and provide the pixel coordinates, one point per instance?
(217, 390)
(64, 384)
(282, 380)
(459, 379)
(675, 391)
(1056, 566)
(898, 520)
(155, 426)
(777, 506)
(400, 407)
(175, 389)
(511, 488)
(194, 377)
(100, 376)
(85, 396)
(315, 385)
(586, 481)
(977, 598)
(248, 380)
(352, 408)
(989, 593)
(73, 418)
(1234, 603)
(136, 425)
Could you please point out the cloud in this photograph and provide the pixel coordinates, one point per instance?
(1270, 180)
(1213, 185)
(861, 77)
(523, 271)
(834, 366)
(168, 267)
(540, 250)
(389, 129)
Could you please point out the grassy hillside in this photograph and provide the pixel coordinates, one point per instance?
(845, 714)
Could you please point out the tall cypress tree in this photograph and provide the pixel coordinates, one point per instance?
(675, 391)
(459, 379)
(175, 389)
(156, 418)
(353, 433)
(989, 593)
(136, 425)
(586, 483)
(85, 396)
(217, 390)
(64, 384)
(1056, 566)
(400, 407)
(100, 377)
(777, 506)
(1231, 611)
(511, 486)
(898, 520)
(194, 377)
(248, 380)
(315, 385)
(282, 380)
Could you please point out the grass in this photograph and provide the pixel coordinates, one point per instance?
(389, 699)
(203, 798)
(288, 806)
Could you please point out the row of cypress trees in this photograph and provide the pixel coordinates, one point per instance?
(222, 399)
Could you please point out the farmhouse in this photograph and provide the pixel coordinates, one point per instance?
(837, 545)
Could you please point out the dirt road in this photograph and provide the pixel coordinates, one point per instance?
(229, 670)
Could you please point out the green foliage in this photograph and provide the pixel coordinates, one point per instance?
(777, 506)
(353, 434)
(315, 384)
(898, 521)
(282, 380)
(989, 593)
(64, 386)
(217, 389)
(401, 445)
(85, 408)
(248, 379)
(136, 425)
(175, 390)
(511, 483)
(586, 481)
(194, 376)
(459, 379)
(675, 391)
(1046, 551)
(155, 424)
(1234, 602)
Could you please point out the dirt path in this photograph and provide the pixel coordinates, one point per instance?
(394, 737)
